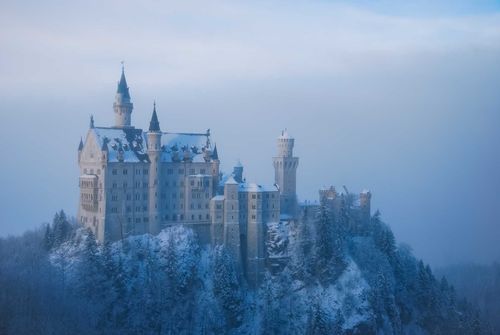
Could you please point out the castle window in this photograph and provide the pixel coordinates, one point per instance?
(137, 196)
(129, 209)
(181, 171)
(174, 217)
(253, 206)
(125, 171)
(192, 206)
(137, 171)
(253, 217)
(114, 185)
(170, 171)
(208, 217)
(192, 171)
(125, 185)
(199, 217)
(144, 184)
(206, 206)
(114, 172)
(145, 171)
(192, 182)
(199, 206)
(138, 208)
(218, 206)
(84, 171)
(167, 217)
(202, 171)
(144, 208)
(192, 217)
(145, 219)
(182, 216)
(137, 220)
(98, 171)
(254, 196)
(114, 197)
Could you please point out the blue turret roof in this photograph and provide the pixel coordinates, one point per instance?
(122, 86)
(80, 146)
(154, 125)
(215, 155)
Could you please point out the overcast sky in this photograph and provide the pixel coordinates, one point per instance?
(403, 99)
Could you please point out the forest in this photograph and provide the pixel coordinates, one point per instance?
(327, 275)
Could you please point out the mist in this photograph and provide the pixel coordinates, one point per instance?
(402, 100)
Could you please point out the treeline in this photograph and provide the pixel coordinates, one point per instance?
(332, 276)
(479, 284)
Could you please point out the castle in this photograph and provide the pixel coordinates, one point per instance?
(135, 182)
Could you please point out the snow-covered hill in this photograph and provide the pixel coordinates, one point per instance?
(322, 278)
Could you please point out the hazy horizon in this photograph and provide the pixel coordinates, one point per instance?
(397, 98)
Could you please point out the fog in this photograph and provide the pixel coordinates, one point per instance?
(400, 99)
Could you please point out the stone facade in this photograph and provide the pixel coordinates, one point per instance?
(135, 182)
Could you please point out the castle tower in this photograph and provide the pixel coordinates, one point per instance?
(122, 105)
(238, 172)
(154, 153)
(231, 217)
(285, 172)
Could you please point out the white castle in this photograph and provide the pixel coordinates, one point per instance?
(135, 182)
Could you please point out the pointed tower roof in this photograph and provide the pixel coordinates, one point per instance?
(122, 85)
(154, 125)
(215, 155)
(80, 146)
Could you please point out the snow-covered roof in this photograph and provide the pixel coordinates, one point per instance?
(231, 181)
(218, 198)
(123, 144)
(253, 187)
(130, 145)
(181, 145)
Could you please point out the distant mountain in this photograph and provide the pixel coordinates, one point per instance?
(326, 275)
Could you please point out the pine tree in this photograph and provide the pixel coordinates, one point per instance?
(226, 287)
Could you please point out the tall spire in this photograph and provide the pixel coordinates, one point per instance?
(215, 155)
(122, 85)
(122, 105)
(154, 125)
(80, 146)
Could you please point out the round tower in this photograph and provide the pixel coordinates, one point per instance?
(285, 173)
(154, 154)
(122, 105)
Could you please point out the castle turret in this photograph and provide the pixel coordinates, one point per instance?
(122, 105)
(285, 168)
(154, 153)
(238, 172)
